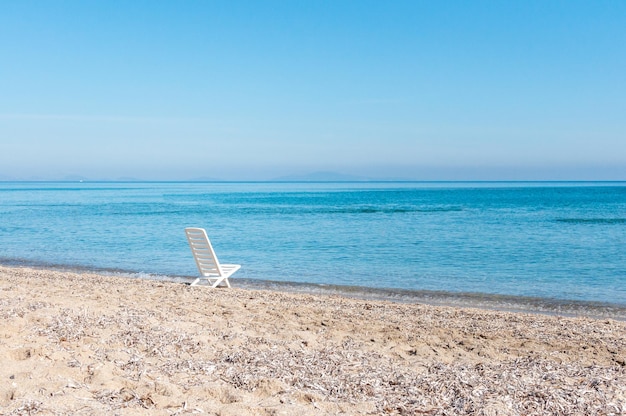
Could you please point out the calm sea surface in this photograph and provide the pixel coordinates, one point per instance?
(552, 240)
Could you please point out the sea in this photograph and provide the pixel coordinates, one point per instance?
(553, 247)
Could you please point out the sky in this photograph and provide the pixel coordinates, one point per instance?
(257, 90)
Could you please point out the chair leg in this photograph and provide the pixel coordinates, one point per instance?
(218, 282)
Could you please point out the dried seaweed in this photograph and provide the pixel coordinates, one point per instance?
(150, 343)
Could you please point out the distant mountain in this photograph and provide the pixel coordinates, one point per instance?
(205, 179)
(74, 178)
(321, 177)
(127, 179)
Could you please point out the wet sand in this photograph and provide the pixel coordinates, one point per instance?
(81, 343)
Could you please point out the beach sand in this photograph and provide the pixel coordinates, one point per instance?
(81, 343)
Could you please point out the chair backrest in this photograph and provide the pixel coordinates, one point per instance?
(203, 253)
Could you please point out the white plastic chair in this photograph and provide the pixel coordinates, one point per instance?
(210, 268)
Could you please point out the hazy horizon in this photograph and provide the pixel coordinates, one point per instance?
(239, 90)
(311, 177)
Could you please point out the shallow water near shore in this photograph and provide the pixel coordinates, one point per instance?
(556, 247)
(506, 303)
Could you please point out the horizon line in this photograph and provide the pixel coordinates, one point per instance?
(310, 181)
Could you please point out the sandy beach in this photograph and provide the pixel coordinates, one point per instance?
(80, 343)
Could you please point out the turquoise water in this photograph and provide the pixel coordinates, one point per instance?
(558, 241)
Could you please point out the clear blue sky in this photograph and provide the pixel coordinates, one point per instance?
(260, 89)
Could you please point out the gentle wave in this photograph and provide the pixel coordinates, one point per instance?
(141, 210)
(340, 210)
(592, 220)
(380, 210)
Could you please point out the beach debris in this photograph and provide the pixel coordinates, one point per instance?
(146, 346)
(30, 407)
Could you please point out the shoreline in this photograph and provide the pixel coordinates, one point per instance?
(86, 343)
(487, 301)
